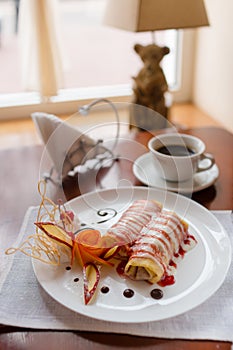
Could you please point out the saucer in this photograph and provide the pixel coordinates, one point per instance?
(144, 171)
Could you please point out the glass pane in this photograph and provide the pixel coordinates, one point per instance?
(9, 53)
(99, 55)
(94, 55)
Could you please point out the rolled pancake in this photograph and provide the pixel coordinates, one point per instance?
(160, 240)
(127, 229)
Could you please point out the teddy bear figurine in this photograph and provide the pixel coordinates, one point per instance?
(150, 84)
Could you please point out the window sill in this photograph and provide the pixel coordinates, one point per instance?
(14, 106)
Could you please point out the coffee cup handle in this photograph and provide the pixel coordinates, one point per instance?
(203, 157)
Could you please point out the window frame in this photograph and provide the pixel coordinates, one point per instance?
(14, 106)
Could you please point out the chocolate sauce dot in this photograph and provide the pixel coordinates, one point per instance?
(76, 279)
(68, 268)
(128, 293)
(156, 293)
(104, 289)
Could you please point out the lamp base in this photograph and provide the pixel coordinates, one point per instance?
(149, 88)
(144, 118)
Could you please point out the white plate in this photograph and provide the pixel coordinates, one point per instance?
(198, 276)
(144, 171)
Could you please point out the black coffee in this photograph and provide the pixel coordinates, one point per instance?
(175, 150)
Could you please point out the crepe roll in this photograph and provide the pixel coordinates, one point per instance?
(130, 224)
(161, 241)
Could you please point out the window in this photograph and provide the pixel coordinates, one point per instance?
(98, 55)
(98, 61)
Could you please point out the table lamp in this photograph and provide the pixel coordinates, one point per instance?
(150, 84)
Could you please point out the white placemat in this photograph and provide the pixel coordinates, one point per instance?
(24, 303)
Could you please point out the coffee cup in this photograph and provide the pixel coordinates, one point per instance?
(177, 157)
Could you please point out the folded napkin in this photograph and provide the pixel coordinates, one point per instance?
(66, 145)
(24, 303)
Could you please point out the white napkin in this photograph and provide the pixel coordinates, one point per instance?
(67, 146)
(24, 303)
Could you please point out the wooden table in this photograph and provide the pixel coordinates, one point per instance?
(19, 175)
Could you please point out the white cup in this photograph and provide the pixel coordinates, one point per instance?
(174, 167)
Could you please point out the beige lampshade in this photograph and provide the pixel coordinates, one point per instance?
(150, 15)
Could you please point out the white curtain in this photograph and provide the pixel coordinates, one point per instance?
(39, 44)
